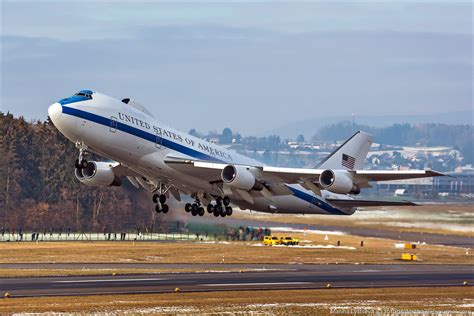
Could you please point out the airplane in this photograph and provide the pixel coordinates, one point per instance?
(165, 161)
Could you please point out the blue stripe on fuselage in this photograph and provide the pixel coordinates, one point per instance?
(139, 133)
(316, 201)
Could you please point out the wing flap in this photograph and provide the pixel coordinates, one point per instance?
(367, 203)
(200, 169)
(290, 175)
(389, 175)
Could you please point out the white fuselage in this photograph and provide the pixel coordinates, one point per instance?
(127, 134)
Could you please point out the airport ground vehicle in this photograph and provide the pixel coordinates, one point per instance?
(289, 241)
(271, 241)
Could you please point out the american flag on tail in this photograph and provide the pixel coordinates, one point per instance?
(348, 161)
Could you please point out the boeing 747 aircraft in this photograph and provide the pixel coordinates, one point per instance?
(167, 162)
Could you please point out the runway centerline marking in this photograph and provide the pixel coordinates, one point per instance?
(107, 280)
(261, 283)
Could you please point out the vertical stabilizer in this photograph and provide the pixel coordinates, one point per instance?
(350, 155)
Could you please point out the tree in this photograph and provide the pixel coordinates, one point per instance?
(194, 133)
(226, 137)
(300, 139)
(39, 190)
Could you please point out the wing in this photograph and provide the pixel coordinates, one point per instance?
(275, 180)
(212, 171)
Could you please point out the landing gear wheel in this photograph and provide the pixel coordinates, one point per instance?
(194, 209)
(228, 210)
(201, 211)
(165, 208)
(222, 211)
(157, 208)
(162, 199)
(226, 200)
(155, 198)
(83, 164)
(210, 208)
(216, 213)
(188, 207)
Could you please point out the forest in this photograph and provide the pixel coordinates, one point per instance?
(39, 191)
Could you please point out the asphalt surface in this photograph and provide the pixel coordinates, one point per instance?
(268, 277)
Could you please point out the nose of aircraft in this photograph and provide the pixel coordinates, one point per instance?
(55, 111)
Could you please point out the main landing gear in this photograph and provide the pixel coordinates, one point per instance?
(221, 207)
(195, 208)
(160, 200)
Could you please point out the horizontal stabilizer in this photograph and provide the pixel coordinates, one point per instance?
(366, 203)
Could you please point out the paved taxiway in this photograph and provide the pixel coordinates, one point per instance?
(268, 277)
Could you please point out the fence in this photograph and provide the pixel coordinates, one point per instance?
(95, 236)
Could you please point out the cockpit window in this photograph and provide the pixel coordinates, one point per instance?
(85, 93)
(82, 95)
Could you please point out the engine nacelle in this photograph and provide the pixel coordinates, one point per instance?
(240, 177)
(338, 181)
(98, 174)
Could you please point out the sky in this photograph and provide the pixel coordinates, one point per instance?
(250, 66)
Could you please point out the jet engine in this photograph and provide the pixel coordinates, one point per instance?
(240, 177)
(338, 181)
(98, 174)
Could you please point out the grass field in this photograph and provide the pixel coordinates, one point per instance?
(285, 302)
(374, 251)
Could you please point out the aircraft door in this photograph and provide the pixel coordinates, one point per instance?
(158, 138)
(113, 124)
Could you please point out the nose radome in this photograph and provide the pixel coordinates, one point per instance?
(55, 111)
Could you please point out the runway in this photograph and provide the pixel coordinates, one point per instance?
(263, 277)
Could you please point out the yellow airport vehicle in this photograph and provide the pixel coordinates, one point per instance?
(410, 257)
(271, 241)
(289, 241)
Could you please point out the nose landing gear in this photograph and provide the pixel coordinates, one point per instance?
(81, 161)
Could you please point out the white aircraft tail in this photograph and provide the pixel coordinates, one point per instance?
(350, 155)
